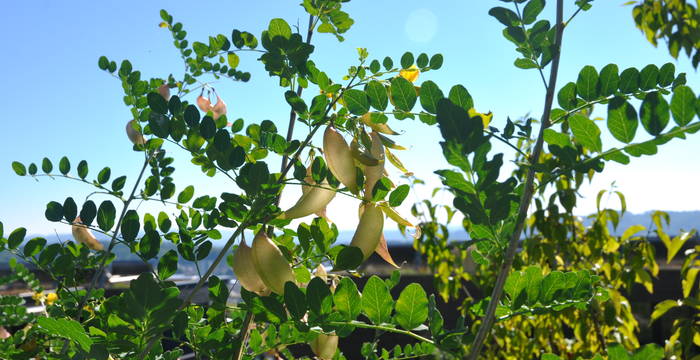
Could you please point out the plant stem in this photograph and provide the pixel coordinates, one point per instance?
(245, 327)
(113, 241)
(489, 317)
(383, 328)
(292, 113)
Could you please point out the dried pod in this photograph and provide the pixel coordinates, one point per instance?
(203, 103)
(82, 234)
(164, 91)
(134, 135)
(313, 200)
(219, 108)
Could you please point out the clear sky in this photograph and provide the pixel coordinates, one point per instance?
(57, 102)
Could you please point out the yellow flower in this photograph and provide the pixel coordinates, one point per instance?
(51, 298)
(38, 297)
(410, 74)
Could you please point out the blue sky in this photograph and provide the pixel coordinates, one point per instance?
(57, 102)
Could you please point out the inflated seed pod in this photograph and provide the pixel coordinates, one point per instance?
(245, 271)
(134, 135)
(203, 103)
(369, 229)
(219, 108)
(312, 201)
(164, 91)
(83, 235)
(324, 346)
(339, 158)
(270, 263)
(376, 172)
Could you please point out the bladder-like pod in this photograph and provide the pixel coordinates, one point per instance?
(339, 158)
(313, 200)
(82, 234)
(324, 346)
(245, 270)
(376, 172)
(270, 264)
(134, 135)
(369, 229)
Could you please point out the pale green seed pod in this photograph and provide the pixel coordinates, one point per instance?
(270, 263)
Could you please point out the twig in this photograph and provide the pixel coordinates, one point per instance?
(489, 317)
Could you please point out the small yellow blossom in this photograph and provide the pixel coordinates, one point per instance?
(39, 297)
(51, 298)
(410, 74)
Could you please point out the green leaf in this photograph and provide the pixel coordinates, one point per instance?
(34, 246)
(505, 16)
(279, 27)
(46, 166)
(609, 80)
(662, 308)
(347, 299)
(192, 115)
(436, 61)
(683, 105)
(119, 183)
(629, 81)
(648, 352)
(430, 94)
(295, 101)
(68, 329)
(88, 212)
(167, 264)
(104, 175)
(550, 284)
(319, 296)
(356, 101)
(524, 63)
(532, 10)
(586, 132)
(19, 168)
(295, 300)
(461, 97)
(533, 280)
(649, 77)
(587, 83)
(654, 113)
(377, 303)
(54, 211)
(422, 60)
(157, 103)
(398, 195)
(64, 165)
(403, 94)
(233, 60)
(667, 74)
(622, 119)
(567, 96)
(388, 63)
(376, 92)
(406, 60)
(70, 209)
(130, 225)
(349, 258)
(103, 63)
(83, 169)
(186, 195)
(105, 215)
(16, 238)
(32, 169)
(412, 307)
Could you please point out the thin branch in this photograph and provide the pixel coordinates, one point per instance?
(488, 319)
(383, 328)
